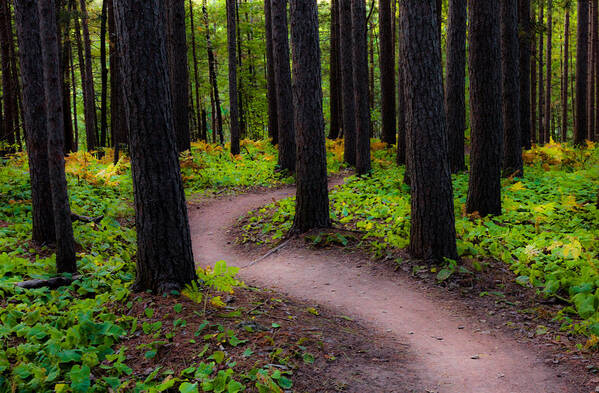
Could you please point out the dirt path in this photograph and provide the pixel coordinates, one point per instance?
(455, 353)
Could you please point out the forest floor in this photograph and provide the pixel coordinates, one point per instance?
(449, 343)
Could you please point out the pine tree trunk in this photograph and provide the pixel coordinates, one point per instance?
(213, 79)
(548, 116)
(240, 81)
(233, 95)
(74, 98)
(387, 65)
(541, 76)
(178, 72)
(595, 72)
(533, 89)
(510, 65)
(565, 77)
(164, 252)
(104, 76)
(455, 94)
(65, 86)
(582, 54)
(312, 199)
(118, 121)
(347, 81)
(335, 75)
(271, 87)
(32, 73)
(360, 67)
(89, 95)
(590, 76)
(65, 243)
(285, 116)
(432, 230)
(8, 90)
(484, 190)
(525, 81)
(199, 107)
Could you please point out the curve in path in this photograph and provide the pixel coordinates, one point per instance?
(443, 341)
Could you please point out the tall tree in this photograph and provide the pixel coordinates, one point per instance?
(271, 87)
(565, 75)
(455, 94)
(533, 89)
(32, 76)
(484, 190)
(215, 97)
(347, 81)
(335, 74)
(66, 54)
(160, 209)
(432, 230)
(510, 65)
(387, 66)
(525, 61)
(360, 67)
(547, 125)
(104, 76)
(280, 34)
(118, 122)
(312, 198)
(8, 90)
(541, 77)
(582, 54)
(196, 77)
(65, 242)
(590, 77)
(233, 95)
(89, 95)
(178, 72)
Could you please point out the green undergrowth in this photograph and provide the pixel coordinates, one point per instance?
(548, 233)
(68, 339)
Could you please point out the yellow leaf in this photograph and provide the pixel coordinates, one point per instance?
(60, 388)
(217, 302)
(573, 250)
(569, 202)
(519, 186)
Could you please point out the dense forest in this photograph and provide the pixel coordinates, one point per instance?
(299, 196)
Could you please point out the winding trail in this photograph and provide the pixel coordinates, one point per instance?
(442, 340)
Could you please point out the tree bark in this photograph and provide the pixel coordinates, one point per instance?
(547, 125)
(387, 66)
(199, 107)
(525, 59)
(312, 197)
(104, 76)
(8, 90)
(533, 90)
(118, 121)
(335, 75)
(65, 243)
(32, 74)
(565, 76)
(285, 116)
(164, 252)
(541, 137)
(595, 72)
(65, 74)
(455, 94)
(432, 230)
(484, 190)
(178, 72)
(510, 65)
(233, 95)
(347, 81)
(360, 67)
(580, 129)
(89, 95)
(213, 79)
(273, 122)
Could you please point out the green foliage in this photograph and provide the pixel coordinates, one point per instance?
(548, 232)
